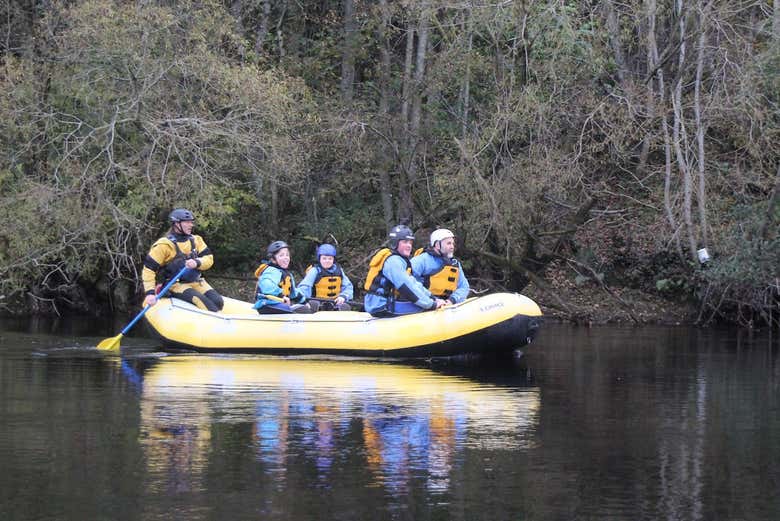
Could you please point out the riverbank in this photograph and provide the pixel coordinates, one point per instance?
(564, 300)
(592, 303)
(587, 303)
(595, 305)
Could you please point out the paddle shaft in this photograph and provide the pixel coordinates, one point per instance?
(162, 292)
(279, 299)
(331, 300)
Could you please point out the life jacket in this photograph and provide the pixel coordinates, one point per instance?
(444, 282)
(174, 266)
(326, 285)
(285, 283)
(376, 282)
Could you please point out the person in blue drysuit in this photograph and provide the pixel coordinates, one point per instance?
(437, 269)
(276, 291)
(390, 287)
(326, 282)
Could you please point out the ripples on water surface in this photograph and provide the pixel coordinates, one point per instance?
(602, 423)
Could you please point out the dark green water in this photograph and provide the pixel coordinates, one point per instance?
(601, 423)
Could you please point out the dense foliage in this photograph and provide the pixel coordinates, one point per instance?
(610, 139)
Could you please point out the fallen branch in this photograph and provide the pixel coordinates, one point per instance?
(530, 275)
(595, 276)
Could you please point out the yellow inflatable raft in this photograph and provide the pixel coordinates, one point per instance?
(490, 324)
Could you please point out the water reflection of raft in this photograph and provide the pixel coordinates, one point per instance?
(197, 388)
(300, 406)
(493, 323)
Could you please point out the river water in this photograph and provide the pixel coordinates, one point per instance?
(589, 423)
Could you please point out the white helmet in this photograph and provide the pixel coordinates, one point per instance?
(440, 235)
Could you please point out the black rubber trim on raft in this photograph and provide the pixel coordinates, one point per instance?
(501, 337)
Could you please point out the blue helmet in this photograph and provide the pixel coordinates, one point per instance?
(326, 249)
(400, 233)
(181, 214)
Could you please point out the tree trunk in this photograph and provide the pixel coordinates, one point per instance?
(33, 48)
(348, 52)
(613, 28)
(404, 188)
(237, 10)
(499, 64)
(310, 198)
(656, 66)
(274, 217)
(419, 69)
(39, 154)
(520, 57)
(415, 117)
(280, 41)
(700, 125)
(776, 21)
(386, 188)
(650, 105)
(466, 83)
(679, 134)
(772, 218)
(262, 26)
(406, 89)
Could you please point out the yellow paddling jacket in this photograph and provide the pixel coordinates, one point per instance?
(443, 282)
(168, 255)
(375, 281)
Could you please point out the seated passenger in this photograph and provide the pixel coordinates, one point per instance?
(276, 291)
(391, 289)
(170, 254)
(326, 282)
(439, 271)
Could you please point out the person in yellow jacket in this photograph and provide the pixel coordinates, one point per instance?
(390, 287)
(170, 254)
(326, 282)
(439, 271)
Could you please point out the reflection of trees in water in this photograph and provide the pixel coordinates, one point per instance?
(664, 422)
(681, 453)
(626, 424)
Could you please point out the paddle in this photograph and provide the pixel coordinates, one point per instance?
(112, 344)
(352, 303)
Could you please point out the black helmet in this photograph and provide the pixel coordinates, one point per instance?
(181, 214)
(274, 248)
(399, 233)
